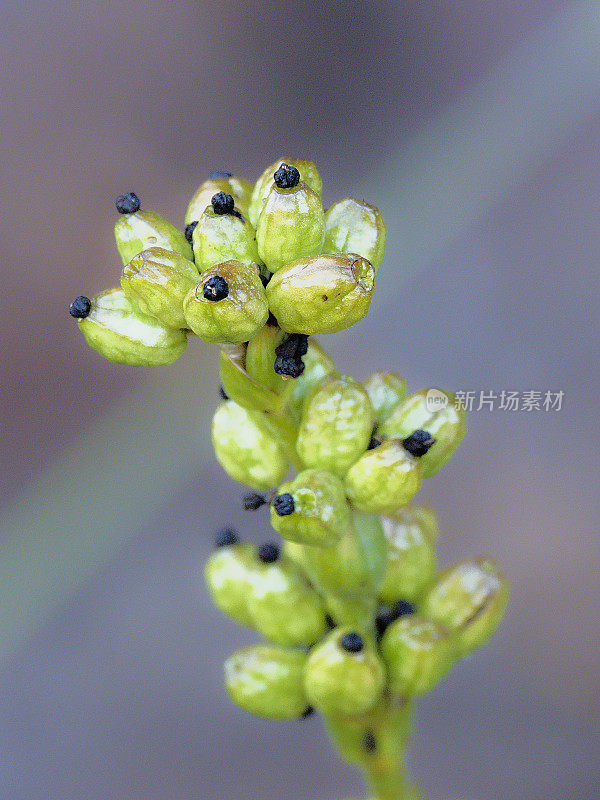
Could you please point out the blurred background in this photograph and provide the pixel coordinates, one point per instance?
(475, 127)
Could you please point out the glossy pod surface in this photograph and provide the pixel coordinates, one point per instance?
(385, 390)
(417, 654)
(336, 425)
(320, 513)
(469, 599)
(144, 229)
(411, 559)
(324, 294)
(245, 450)
(384, 479)
(229, 576)
(238, 188)
(308, 175)
(122, 333)
(341, 682)
(352, 226)
(291, 226)
(236, 317)
(439, 414)
(157, 281)
(223, 237)
(267, 681)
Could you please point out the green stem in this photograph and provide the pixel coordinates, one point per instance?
(376, 742)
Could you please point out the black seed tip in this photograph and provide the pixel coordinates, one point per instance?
(352, 642)
(386, 614)
(292, 367)
(223, 394)
(253, 500)
(284, 504)
(128, 203)
(402, 608)
(268, 553)
(225, 537)
(216, 288)
(80, 307)
(369, 741)
(418, 443)
(222, 203)
(286, 177)
(374, 443)
(189, 230)
(219, 174)
(307, 713)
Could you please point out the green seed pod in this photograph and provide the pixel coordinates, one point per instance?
(469, 599)
(230, 572)
(291, 226)
(228, 305)
(411, 559)
(385, 390)
(144, 229)
(245, 450)
(311, 509)
(267, 681)
(261, 355)
(156, 281)
(238, 188)
(384, 479)
(343, 675)
(223, 237)
(417, 653)
(336, 425)
(239, 385)
(121, 333)
(439, 414)
(352, 568)
(321, 295)
(317, 364)
(308, 174)
(355, 227)
(283, 606)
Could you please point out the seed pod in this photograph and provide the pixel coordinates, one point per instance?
(291, 226)
(283, 606)
(439, 414)
(324, 294)
(385, 390)
(156, 281)
(144, 229)
(238, 188)
(417, 653)
(267, 681)
(352, 226)
(308, 174)
(119, 332)
(223, 237)
(354, 566)
(230, 572)
(385, 479)
(261, 355)
(411, 560)
(317, 364)
(311, 509)
(469, 599)
(343, 674)
(245, 450)
(336, 425)
(228, 305)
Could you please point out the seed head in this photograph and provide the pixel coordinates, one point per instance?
(268, 552)
(225, 537)
(253, 500)
(352, 642)
(222, 203)
(286, 177)
(80, 307)
(418, 443)
(189, 230)
(284, 504)
(216, 288)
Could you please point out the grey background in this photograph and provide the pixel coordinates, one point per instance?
(475, 128)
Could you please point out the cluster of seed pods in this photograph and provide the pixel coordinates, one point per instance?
(355, 616)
